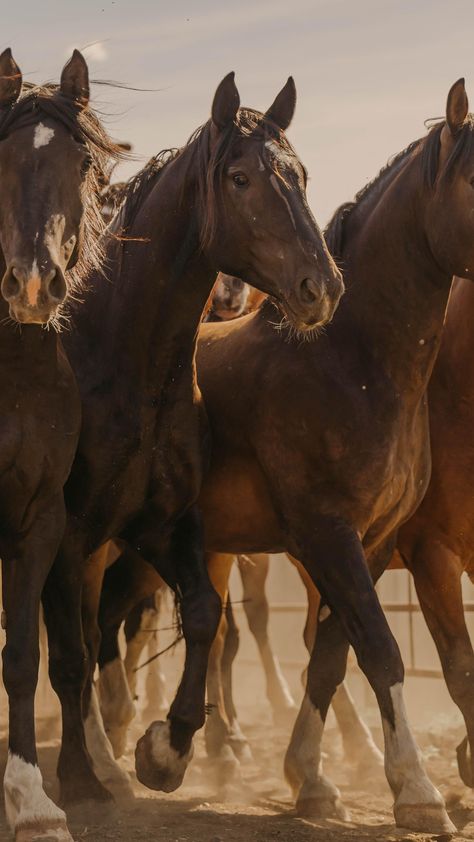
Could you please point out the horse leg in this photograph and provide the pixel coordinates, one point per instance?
(163, 753)
(254, 575)
(140, 635)
(351, 613)
(30, 813)
(126, 583)
(359, 745)
(114, 778)
(237, 739)
(437, 574)
(218, 732)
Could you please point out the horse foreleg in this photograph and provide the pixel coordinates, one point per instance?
(30, 813)
(359, 745)
(350, 613)
(163, 753)
(254, 574)
(437, 574)
(140, 633)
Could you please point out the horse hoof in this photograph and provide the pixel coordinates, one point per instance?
(464, 763)
(43, 831)
(427, 818)
(322, 808)
(158, 765)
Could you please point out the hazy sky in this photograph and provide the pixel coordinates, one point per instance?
(368, 72)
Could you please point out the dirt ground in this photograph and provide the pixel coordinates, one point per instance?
(262, 810)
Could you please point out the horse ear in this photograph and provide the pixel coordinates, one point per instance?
(226, 103)
(10, 79)
(457, 107)
(282, 110)
(75, 79)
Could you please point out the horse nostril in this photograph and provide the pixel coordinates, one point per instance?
(11, 283)
(309, 291)
(56, 285)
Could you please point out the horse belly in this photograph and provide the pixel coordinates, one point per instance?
(238, 513)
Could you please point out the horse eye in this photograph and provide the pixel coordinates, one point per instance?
(240, 180)
(85, 166)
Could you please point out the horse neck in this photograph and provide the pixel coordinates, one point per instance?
(148, 309)
(397, 295)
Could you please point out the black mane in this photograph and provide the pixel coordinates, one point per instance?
(429, 147)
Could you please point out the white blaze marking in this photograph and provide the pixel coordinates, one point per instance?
(42, 135)
(25, 800)
(33, 285)
(276, 187)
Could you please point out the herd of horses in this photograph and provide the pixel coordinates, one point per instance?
(141, 445)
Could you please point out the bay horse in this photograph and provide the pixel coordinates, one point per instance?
(232, 199)
(436, 544)
(53, 150)
(335, 455)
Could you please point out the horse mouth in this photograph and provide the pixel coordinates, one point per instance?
(31, 316)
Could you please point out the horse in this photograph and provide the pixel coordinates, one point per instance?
(232, 199)
(335, 455)
(53, 149)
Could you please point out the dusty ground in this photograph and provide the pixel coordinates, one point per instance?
(263, 811)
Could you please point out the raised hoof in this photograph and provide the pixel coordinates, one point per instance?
(464, 763)
(158, 765)
(322, 808)
(43, 832)
(425, 818)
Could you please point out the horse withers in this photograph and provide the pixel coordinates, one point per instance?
(52, 149)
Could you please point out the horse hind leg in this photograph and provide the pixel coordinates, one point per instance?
(237, 739)
(109, 772)
(334, 557)
(254, 574)
(140, 633)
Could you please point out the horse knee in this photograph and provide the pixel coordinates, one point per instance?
(201, 614)
(69, 670)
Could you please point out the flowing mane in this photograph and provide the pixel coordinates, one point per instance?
(429, 147)
(206, 166)
(38, 101)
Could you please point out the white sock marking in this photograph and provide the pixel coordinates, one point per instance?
(25, 799)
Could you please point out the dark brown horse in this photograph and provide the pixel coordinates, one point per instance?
(52, 152)
(233, 199)
(335, 453)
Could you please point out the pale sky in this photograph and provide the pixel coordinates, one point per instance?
(367, 72)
